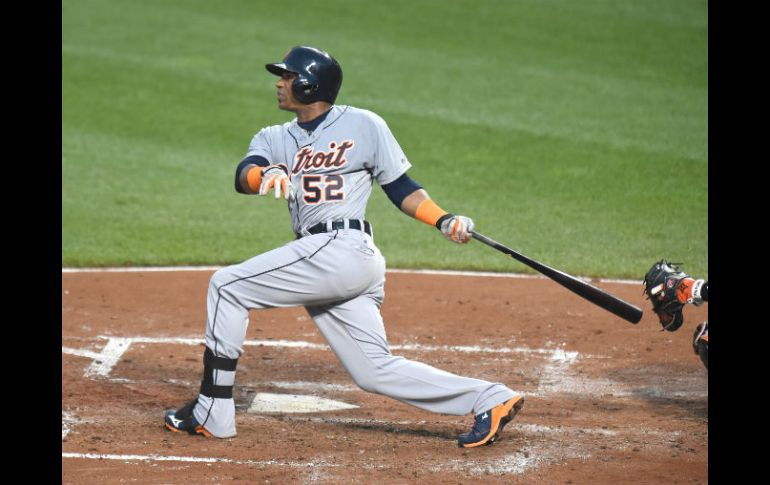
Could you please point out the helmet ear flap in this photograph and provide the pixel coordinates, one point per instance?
(304, 90)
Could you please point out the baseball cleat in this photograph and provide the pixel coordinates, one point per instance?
(490, 424)
(182, 420)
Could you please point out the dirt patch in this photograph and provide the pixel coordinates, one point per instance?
(607, 402)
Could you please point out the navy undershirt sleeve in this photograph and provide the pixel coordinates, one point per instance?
(400, 188)
(252, 160)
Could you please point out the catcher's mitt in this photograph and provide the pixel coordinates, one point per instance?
(661, 284)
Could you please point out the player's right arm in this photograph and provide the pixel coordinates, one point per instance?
(414, 201)
(389, 169)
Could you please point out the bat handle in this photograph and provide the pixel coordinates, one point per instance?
(490, 242)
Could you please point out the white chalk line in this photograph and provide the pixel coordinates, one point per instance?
(435, 272)
(111, 354)
(141, 269)
(195, 459)
(558, 378)
(563, 385)
(81, 353)
(498, 466)
(553, 451)
(516, 463)
(67, 419)
(555, 379)
(555, 374)
(513, 464)
(526, 428)
(104, 361)
(310, 345)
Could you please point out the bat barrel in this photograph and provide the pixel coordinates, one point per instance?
(585, 290)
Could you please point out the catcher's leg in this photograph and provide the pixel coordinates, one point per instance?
(700, 342)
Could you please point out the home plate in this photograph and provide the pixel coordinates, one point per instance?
(265, 402)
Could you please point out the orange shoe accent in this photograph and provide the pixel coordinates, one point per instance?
(501, 415)
(198, 430)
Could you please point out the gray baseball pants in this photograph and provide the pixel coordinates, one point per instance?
(339, 278)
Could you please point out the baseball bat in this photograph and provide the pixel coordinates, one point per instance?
(591, 293)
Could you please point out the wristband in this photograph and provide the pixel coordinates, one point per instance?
(254, 178)
(428, 212)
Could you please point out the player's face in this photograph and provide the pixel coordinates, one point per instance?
(286, 99)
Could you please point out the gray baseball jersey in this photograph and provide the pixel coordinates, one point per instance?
(337, 275)
(332, 168)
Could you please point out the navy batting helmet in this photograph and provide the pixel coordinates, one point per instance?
(319, 76)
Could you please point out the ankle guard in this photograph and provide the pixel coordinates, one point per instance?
(211, 363)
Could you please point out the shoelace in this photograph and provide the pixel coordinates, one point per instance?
(478, 425)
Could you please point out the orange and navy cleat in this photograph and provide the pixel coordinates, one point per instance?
(490, 424)
(182, 420)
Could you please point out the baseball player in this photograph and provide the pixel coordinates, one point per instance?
(669, 290)
(323, 164)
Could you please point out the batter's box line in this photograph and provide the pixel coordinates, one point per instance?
(196, 459)
(103, 362)
(516, 463)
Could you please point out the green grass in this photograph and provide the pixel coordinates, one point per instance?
(575, 132)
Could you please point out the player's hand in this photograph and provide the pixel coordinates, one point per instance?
(275, 177)
(688, 291)
(457, 229)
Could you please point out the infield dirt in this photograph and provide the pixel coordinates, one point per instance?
(606, 402)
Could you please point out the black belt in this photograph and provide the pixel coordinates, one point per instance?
(335, 225)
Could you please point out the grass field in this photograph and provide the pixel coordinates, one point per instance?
(573, 131)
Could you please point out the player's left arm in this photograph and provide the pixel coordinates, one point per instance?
(258, 173)
(413, 200)
(248, 174)
(255, 175)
